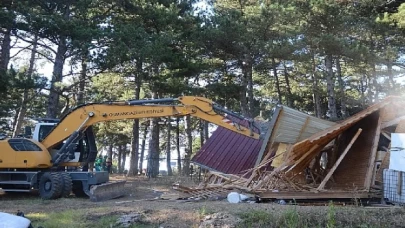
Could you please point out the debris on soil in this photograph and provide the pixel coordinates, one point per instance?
(129, 219)
(223, 220)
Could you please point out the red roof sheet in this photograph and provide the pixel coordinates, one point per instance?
(228, 152)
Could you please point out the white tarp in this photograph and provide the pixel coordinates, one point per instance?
(13, 221)
(397, 156)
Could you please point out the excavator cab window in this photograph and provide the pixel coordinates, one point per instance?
(23, 145)
(44, 131)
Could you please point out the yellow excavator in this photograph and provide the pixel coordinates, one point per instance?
(54, 161)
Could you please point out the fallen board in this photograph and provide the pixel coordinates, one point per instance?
(316, 195)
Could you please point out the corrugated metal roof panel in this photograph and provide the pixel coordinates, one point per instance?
(228, 152)
(289, 126)
(293, 126)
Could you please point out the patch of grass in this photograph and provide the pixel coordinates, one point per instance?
(204, 211)
(69, 218)
(106, 221)
(291, 219)
(331, 223)
(256, 218)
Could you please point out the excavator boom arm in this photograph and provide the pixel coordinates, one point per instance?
(86, 115)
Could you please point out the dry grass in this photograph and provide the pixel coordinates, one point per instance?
(76, 212)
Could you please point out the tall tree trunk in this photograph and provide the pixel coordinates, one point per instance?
(124, 157)
(188, 147)
(206, 130)
(5, 49)
(24, 100)
(330, 84)
(168, 148)
(5, 59)
(290, 101)
(280, 97)
(343, 109)
(53, 99)
(201, 128)
(153, 159)
(145, 133)
(242, 98)
(135, 127)
(391, 77)
(250, 88)
(315, 89)
(110, 153)
(8, 24)
(82, 80)
(375, 83)
(178, 146)
(363, 90)
(119, 158)
(244, 101)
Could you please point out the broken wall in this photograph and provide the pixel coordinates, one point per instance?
(352, 171)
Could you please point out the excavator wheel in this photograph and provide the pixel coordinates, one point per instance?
(50, 186)
(67, 184)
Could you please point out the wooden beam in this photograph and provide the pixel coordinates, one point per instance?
(371, 165)
(269, 134)
(392, 122)
(386, 135)
(332, 170)
(303, 129)
(314, 147)
(314, 195)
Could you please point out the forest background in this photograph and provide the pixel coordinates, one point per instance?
(326, 58)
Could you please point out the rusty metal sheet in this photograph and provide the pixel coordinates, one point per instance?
(228, 152)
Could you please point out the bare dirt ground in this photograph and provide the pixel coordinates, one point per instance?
(142, 198)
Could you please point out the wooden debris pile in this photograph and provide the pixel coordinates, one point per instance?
(339, 162)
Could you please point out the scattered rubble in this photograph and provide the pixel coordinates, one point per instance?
(223, 220)
(129, 219)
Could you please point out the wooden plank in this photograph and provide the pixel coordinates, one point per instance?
(267, 138)
(314, 195)
(392, 122)
(386, 135)
(332, 170)
(371, 165)
(303, 129)
(314, 147)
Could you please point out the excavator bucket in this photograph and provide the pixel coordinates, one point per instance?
(106, 191)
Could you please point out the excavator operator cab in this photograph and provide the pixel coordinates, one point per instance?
(85, 147)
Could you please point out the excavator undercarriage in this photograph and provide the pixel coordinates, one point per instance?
(53, 185)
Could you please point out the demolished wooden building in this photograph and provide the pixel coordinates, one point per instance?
(344, 160)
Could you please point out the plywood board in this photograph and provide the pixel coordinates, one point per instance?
(351, 173)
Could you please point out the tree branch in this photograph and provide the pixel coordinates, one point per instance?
(22, 49)
(41, 54)
(38, 43)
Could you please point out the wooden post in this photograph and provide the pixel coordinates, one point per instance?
(332, 170)
(370, 171)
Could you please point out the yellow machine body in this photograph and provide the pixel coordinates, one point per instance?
(20, 153)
